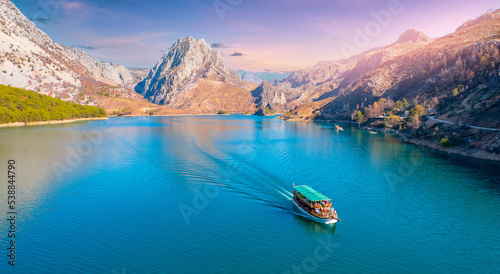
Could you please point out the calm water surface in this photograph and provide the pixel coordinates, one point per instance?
(212, 194)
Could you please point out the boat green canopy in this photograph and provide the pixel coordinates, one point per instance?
(311, 194)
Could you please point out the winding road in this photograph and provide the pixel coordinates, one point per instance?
(447, 122)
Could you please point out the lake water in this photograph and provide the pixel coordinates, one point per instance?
(212, 194)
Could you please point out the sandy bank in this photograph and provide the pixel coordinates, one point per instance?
(51, 122)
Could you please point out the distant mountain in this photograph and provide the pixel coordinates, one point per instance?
(413, 36)
(194, 78)
(30, 59)
(258, 77)
(250, 77)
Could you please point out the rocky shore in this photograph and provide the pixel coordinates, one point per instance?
(478, 152)
(464, 151)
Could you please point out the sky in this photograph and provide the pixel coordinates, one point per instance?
(253, 35)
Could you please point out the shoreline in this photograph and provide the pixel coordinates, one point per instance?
(50, 122)
(462, 151)
(467, 152)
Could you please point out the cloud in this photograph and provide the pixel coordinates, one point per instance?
(236, 54)
(72, 5)
(218, 45)
(87, 47)
(42, 20)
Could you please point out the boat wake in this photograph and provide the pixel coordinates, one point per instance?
(288, 194)
(239, 175)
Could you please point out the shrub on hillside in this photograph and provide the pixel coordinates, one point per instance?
(445, 142)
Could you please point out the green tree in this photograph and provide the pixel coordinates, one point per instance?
(415, 114)
(359, 117)
(420, 110)
(405, 103)
(269, 110)
(445, 142)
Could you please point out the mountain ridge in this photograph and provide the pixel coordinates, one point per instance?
(31, 60)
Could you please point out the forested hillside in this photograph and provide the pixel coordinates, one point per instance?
(20, 105)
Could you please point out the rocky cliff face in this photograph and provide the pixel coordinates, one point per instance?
(30, 59)
(109, 73)
(193, 77)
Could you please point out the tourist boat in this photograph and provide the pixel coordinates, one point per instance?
(337, 127)
(314, 205)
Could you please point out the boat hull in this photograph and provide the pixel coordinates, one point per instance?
(314, 218)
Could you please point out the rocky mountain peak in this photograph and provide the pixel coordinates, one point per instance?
(413, 36)
(187, 61)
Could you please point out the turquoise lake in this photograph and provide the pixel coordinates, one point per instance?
(212, 194)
